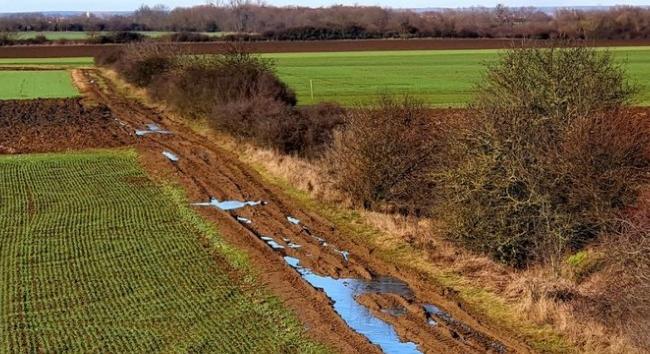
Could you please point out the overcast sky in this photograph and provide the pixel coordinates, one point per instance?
(125, 5)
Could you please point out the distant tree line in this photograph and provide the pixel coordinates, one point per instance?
(355, 22)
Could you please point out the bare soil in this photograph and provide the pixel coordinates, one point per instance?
(50, 125)
(205, 170)
(86, 50)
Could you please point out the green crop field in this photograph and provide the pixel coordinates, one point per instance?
(95, 257)
(23, 84)
(47, 62)
(440, 78)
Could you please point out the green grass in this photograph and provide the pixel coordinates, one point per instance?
(48, 62)
(440, 78)
(94, 257)
(36, 84)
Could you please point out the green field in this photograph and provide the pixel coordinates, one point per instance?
(23, 84)
(48, 62)
(97, 258)
(440, 78)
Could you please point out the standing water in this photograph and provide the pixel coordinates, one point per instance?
(343, 293)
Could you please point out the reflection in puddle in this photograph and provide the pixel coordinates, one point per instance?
(244, 220)
(152, 128)
(293, 220)
(343, 293)
(227, 204)
(170, 156)
(271, 242)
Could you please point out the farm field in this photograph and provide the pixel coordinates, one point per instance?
(24, 84)
(47, 62)
(97, 258)
(441, 78)
(74, 35)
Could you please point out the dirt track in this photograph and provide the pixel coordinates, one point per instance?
(52, 51)
(205, 170)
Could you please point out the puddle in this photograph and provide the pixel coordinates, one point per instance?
(170, 156)
(227, 204)
(293, 220)
(271, 242)
(294, 245)
(345, 255)
(152, 128)
(433, 310)
(343, 293)
(244, 220)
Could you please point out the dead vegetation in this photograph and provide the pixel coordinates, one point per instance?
(383, 158)
(235, 92)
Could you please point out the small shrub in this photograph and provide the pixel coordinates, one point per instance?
(549, 158)
(117, 37)
(188, 37)
(620, 296)
(385, 155)
(140, 64)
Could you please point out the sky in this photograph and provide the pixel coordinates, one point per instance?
(127, 5)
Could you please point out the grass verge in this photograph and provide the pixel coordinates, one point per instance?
(480, 301)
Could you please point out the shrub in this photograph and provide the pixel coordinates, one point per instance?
(117, 37)
(619, 295)
(188, 37)
(140, 64)
(383, 158)
(549, 157)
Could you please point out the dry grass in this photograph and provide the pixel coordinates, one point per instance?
(536, 295)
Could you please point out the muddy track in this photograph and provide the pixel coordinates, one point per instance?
(206, 170)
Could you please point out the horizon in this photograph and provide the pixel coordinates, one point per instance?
(35, 6)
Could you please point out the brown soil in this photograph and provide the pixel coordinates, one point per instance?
(206, 170)
(86, 50)
(57, 125)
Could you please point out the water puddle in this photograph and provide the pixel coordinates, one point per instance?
(343, 293)
(244, 220)
(435, 315)
(152, 128)
(293, 220)
(170, 156)
(272, 243)
(227, 204)
(294, 246)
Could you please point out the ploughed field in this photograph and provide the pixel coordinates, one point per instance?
(78, 35)
(95, 257)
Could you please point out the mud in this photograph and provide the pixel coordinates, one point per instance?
(28, 126)
(53, 51)
(207, 171)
